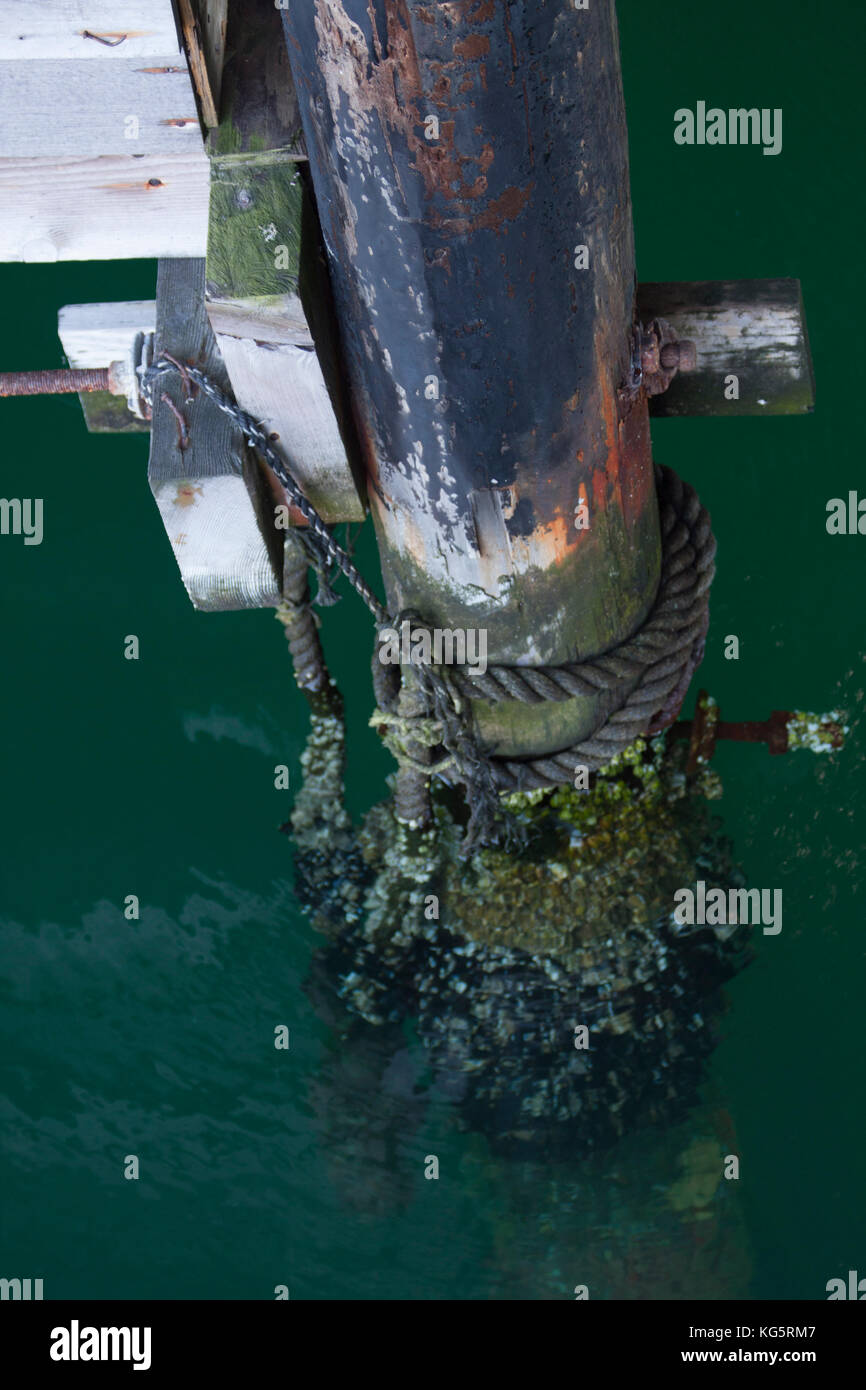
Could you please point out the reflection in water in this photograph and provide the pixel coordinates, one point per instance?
(565, 1017)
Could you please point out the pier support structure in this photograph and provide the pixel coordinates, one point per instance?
(470, 168)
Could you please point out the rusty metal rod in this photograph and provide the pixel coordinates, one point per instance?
(706, 729)
(62, 381)
(754, 730)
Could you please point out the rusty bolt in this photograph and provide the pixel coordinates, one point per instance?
(662, 355)
(682, 355)
(649, 355)
(55, 383)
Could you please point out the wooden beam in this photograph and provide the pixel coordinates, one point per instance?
(255, 308)
(203, 23)
(265, 278)
(254, 241)
(77, 108)
(214, 496)
(102, 147)
(753, 331)
(94, 335)
(101, 30)
(282, 385)
(119, 207)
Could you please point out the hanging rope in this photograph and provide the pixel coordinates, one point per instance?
(426, 727)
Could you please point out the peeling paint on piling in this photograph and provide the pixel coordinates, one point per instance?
(471, 282)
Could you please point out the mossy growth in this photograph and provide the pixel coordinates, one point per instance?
(254, 235)
(107, 414)
(596, 859)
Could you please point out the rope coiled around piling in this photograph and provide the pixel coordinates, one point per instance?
(425, 724)
(659, 659)
(648, 675)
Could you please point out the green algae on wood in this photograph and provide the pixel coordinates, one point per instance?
(267, 292)
(254, 235)
(107, 414)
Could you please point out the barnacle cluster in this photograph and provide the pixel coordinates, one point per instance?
(329, 871)
(817, 733)
(503, 959)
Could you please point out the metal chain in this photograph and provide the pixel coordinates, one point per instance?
(330, 553)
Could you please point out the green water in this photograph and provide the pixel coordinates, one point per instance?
(155, 777)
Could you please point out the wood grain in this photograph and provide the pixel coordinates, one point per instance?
(203, 23)
(76, 108)
(282, 386)
(129, 29)
(95, 334)
(104, 209)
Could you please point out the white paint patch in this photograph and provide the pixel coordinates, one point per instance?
(447, 507)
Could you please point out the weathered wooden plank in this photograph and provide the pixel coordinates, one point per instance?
(752, 346)
(97, 29)
(117, 207)
(214, 496)
(284, 322)
(253, 301)
(213, 22)
(258, 105)
(94, 335)
(203, 23)
(282, 385)
(260, 219)
(72, 108)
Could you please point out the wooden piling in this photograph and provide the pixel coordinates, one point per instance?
(470, 168)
